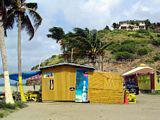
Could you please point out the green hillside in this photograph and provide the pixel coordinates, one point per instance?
(141, 46)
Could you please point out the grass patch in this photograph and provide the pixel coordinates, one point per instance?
(6, 109)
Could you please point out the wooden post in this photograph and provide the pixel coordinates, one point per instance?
(72, 55)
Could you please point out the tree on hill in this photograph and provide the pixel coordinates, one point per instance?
(56, 33)
(115, 25)
(21, 12)
(148, 23)
(106, 28)
(4, 4)
(86, 43)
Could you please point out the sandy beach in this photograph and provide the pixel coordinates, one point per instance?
(147, 108)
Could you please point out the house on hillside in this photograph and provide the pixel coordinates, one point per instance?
(132, 25)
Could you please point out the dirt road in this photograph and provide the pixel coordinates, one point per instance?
(147, 108)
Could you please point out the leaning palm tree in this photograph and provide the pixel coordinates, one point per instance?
(56, 33)
(21, 12)
(8, 94)
(87, 43)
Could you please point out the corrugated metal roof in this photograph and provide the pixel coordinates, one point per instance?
(140, 69)
(68, 64)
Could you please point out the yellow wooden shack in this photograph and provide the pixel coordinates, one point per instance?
(80, 83)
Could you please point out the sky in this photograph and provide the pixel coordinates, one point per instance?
(94, 14)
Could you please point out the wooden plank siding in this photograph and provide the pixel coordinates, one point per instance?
(105, 87)
(64, 78)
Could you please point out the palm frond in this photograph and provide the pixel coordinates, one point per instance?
(22, 1)
(80, 32)
(49, 35)
(33, 6)
(105, 46)
(57, 33)
(8, 2)
(26, 23)
(9, 21)
(3, 9)
(37, 19)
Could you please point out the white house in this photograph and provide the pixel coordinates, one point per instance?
(132, 25)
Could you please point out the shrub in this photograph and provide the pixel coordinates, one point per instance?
(158, 35)
(12, 106)
(146, 32)
(20, 105)
(125, 46)
(130, 48)
(7, 106)
(156, 42)
(131, 42)
(1, 115)
(136, 35)
(123, 56)
(112, 46)
(149, 61)
(142, 51)
(157, 57)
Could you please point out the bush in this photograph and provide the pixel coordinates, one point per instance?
(12, 106)
(125, 46)
(123, 56)
(112, 46)
(20, 105)
(142, 51)
(158, 35)
(146, 32)
(7, 106)
(131, 42)
(130, 48)
(136, 35)
(156, 42)
(157, 57)
(1, 115)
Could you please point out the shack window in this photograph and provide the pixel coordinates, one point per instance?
(51, 84)
(48, 74)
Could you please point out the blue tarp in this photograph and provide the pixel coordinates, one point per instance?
(25, 75)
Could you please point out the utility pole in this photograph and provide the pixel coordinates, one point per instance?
(72, 56)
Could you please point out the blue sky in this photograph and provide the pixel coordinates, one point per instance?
(74, 13)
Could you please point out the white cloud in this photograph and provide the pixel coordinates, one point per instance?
(90, 13)
(148, 9)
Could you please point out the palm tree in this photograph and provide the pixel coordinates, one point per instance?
(19, 12)
(93, 45)
(56, 33)
(86, 43)
(8, 93)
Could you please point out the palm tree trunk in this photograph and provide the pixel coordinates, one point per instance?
(8, 93)
(23, 99)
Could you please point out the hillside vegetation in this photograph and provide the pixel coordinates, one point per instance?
(140, 46)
